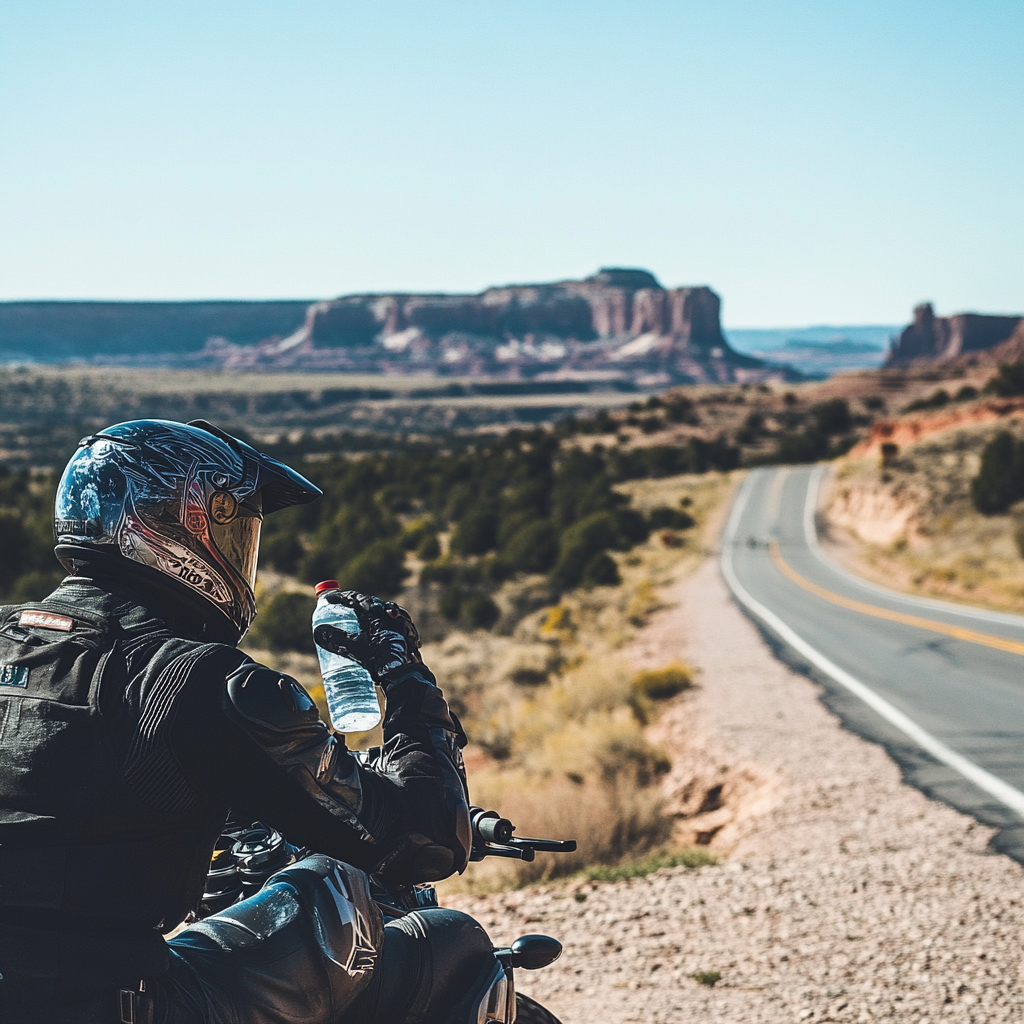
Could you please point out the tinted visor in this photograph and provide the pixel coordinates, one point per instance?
(239, 543)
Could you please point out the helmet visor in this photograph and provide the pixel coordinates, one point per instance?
(239, 543)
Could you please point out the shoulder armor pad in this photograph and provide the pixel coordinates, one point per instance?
(269, 699)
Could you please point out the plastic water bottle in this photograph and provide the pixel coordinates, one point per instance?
(351, 695)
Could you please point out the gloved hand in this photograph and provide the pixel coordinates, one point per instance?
(387, 642)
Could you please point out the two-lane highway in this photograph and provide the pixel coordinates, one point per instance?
(942, 686)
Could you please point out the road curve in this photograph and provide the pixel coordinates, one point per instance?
(940, 685)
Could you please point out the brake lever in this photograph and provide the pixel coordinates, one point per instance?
(545, 845)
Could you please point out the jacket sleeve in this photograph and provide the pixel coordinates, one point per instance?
(256, 743)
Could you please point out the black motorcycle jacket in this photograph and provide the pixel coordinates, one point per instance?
(123, 744)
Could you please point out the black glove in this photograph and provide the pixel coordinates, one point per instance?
(387, 642)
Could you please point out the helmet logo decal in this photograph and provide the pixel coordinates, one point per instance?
(223, 507)
(195, 522)
(142, 544)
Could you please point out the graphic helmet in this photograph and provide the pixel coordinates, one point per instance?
(179, 507)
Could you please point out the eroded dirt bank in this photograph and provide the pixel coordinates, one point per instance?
(845, 895)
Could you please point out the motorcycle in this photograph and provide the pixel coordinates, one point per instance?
(248, 853)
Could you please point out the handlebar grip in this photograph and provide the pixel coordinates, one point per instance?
(495, 830)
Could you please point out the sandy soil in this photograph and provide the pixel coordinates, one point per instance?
(843, 894)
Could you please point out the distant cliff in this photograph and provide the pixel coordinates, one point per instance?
(618, 324)
(932, 338)
(58, 331)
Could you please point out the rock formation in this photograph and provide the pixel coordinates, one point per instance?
(932, 338)
(619, 323)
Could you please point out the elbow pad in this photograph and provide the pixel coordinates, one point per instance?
(278, 714)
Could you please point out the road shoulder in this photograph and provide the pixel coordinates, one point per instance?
(845, 893)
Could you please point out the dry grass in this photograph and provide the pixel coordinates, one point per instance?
(566, 754)
(557, 717)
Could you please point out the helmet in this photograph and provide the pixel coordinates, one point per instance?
(178, 506)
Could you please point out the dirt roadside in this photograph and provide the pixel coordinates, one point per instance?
(844, 895)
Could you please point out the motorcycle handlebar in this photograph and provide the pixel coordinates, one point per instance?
(493, 837)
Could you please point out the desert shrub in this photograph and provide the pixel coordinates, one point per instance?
(449, 601)
(832, 417)
(28, 568)
(580, 545)
(1018, 535)
(937, 400)
(379, 570)
(752, 429)
(417, 531)
(662, 683)
(345, 537)
(601, 571)
(696, 456)
(285, 623)
(476, 533)
(966, 394)
(1000, 479)
(709, 978)
(875, 403)
(653, 685)
(478, 612)
(1008, 381)
(428, 548)
(807, 445)
(664, 518)
(441, 570)
(532, 548)
(680, 409)
(282, 549)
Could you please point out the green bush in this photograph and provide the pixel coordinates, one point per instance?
(808, 445)
(449, 601)
(417, 532)
(285, 623)
(937, 400)
(664, 518)
(601, 571)
(1008, 381)
(478, 612)
(1000, 479)
(28, 568)
(428, 548)
(477, 532)
(832, 417)
(532, 548)
(580, 544)
(283, 550)
(662, 683)
(379, 570)
(441, 570)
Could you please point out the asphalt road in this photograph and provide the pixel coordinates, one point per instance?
(940, 685)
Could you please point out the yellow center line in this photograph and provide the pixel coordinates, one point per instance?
(959, 632)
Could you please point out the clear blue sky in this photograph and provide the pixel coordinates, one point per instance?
(812, 161)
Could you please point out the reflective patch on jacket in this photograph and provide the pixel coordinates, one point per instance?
(14, 675)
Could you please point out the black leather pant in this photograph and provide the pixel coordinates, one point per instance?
(309, 948)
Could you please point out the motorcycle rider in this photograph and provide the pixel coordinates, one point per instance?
(130, 724)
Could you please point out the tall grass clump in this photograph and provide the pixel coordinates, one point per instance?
(580, 767)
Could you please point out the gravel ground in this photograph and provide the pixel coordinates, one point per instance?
(842, 895)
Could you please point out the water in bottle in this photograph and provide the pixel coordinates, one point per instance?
(351, 695)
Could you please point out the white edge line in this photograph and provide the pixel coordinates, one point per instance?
(986, 781)
(811, 539)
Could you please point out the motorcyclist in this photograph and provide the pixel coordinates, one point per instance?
(130, 724)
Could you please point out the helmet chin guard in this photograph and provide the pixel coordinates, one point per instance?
(178, 505)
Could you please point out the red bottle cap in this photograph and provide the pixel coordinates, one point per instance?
(326, 585)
